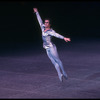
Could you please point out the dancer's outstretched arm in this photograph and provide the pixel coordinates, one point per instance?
(38, 17)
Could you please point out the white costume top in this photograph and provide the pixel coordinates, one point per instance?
(46, 36)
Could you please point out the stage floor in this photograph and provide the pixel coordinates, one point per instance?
(28, 72)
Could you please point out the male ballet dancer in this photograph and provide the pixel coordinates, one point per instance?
(51, 50)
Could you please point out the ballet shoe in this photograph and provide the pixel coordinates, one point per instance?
(65, 76)
(61, 78)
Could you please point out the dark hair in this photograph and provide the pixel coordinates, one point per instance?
(49, 20)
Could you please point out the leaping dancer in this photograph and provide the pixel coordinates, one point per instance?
(51, 50)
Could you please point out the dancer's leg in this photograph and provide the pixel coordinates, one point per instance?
(55, 56)
(55, 63)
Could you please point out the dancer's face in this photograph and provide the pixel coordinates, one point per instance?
(47, 24)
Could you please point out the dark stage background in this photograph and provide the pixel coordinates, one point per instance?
(77, 20)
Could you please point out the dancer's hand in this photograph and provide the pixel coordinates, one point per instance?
(35, 10)
(67, 39)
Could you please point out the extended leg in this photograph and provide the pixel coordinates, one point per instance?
(55, 64)
(57, 60)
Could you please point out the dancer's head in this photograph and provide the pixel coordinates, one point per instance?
(47, 23)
